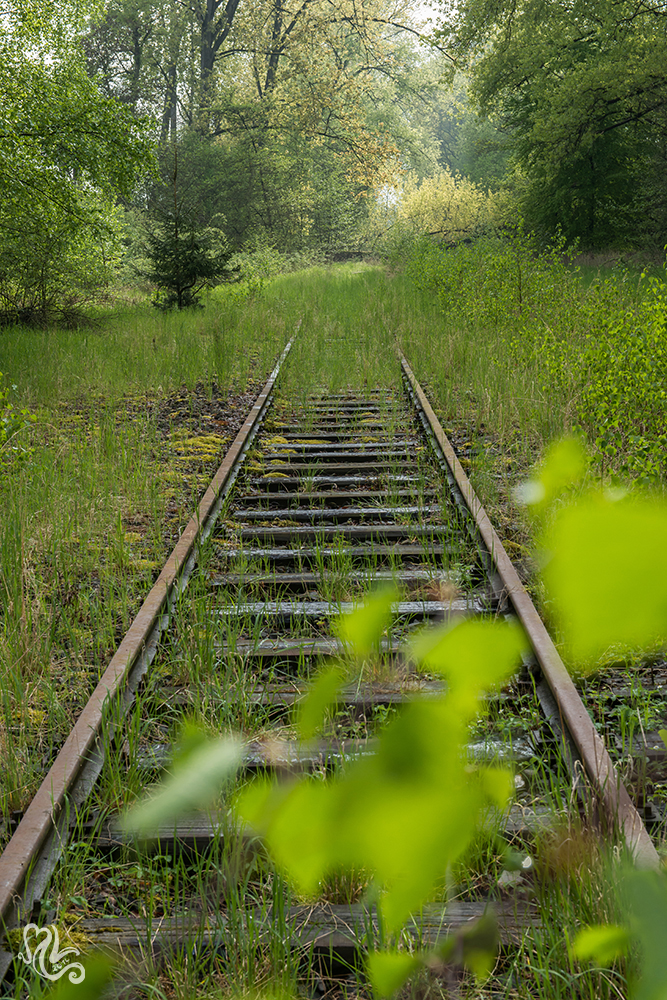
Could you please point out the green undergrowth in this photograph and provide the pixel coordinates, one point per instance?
(110, 437)
(528, 350)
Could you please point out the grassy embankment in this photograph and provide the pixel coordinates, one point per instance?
(114, 463)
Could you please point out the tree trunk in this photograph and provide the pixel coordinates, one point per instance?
(169, 112)
(276, 48)
(215, 25)
(137, 61)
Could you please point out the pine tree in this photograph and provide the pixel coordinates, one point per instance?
(185, 259)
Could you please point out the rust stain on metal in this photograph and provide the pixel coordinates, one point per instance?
(615, 799)
(43, 811)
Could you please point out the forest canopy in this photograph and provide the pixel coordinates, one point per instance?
(318, 126)
(579, 90)
(297, 109)
(67, 153)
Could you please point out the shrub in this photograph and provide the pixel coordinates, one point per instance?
(598, 354)
(498, 278)
(62, 262)
(447, 206)
(623, 400)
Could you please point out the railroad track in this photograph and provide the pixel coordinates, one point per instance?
(314, 504)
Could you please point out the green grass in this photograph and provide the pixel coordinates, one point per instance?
(108, 477)
(527, 349)
(92, 504)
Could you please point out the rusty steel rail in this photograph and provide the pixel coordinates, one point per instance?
(32, 853)
(614, 798)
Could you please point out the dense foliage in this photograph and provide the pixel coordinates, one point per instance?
(66, 153)
(580, 91)
(320, 127)
(601, 350)
(295, 110)
(444, 207)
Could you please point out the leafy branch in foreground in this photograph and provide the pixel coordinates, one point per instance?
(604, 573)
(412, 808)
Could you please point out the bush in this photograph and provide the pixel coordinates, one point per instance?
(497, 279)
(62, 262)
(599, 354)
(622, 363)
(448, 207)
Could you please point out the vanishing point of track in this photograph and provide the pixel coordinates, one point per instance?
(362, 489)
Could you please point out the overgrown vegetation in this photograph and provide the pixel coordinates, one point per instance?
(418, 790)
(520, 357)
(260, 137)
(533, 351)
(314, 130)
(12, 422)
(577, 93)
(131, 418)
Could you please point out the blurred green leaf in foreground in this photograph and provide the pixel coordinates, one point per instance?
(412, 808)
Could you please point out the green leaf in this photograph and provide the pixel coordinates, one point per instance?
(196, 781)
(662, 733)
(497, 783)
(606, 574)
(322, 694)
(602, 943)
(191, 739)
(362, 628)
(256, 802)
(647, 894)
(474, 656)
(408, 811)
(388, 970)
(404, 813)
(299, 822)
(564, 464)
(98, 973)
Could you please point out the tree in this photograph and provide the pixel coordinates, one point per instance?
(581, 90)
(139, 53)
(320, 120)
(186, 246)
(303, 103)
(66, 152)
(185, 260)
